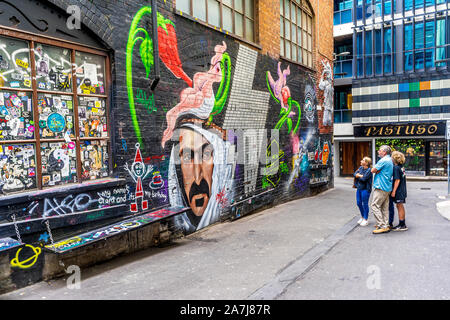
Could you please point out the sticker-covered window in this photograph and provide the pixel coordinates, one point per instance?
(59, 164)
(55, 116)
(90, 73)
(53, 68)
(92, 117)
(17, 168)
(94, 159)
(15, 65)
(53, 113)
(16, 115)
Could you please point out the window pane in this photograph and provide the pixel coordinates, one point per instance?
(59, 164)
(90, 72)
(300, 56)
(409, 45)
(249, 8)
(282, 7)
(430, 34)
(294, 33)
(282, 48)
(368, 66)
(55, 116)
(387, 64)
(16, 116)
(287, 9)
(418, 29)
(94, 159)
(213, 13)
(299, 17)
(387, 40)
(92, 117)
(309, 24)
(378, 43)
(18, 168)
(419, 60)
(294, 53)
(287, 29)
(249, 30)
(288, 49)
(429, 58)
(184, 5)
(239, 5)
(299, 36)
(15, 66)
(408, 61)
(281, 27)
(227, 19)
(310, 64)
(200, 9)
(239, 24)
(309, 42)
(293, 14)
(228, 2)
(53, 68)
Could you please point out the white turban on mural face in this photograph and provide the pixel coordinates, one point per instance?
(221, 181)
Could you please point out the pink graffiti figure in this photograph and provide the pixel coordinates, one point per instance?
(279, 88)
(198, 100)
(139, 171)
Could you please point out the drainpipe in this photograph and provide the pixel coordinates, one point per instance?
(155, 45)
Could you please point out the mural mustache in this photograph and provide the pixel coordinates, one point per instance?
(196, 189)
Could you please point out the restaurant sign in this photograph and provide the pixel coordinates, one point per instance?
(401, 130)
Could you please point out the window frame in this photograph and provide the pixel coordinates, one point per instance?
(32, 39)
(306, 12)
(244, 14)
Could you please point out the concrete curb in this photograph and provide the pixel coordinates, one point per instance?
(298, 268)
(444, 209)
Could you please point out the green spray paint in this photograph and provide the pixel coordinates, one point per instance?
(138, 34)
(224, 88)
(285, 113)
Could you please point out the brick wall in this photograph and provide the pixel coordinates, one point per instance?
(255, 114)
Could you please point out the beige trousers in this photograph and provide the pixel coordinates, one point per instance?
(380, 208)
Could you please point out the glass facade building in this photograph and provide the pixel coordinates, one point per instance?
(400, 54)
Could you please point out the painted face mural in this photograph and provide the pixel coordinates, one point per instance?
(197, 164)
(203, 171)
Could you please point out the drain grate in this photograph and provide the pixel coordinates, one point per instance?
(425, 188)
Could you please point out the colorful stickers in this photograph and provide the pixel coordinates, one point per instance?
(17, 168)
(16, 116)
(94, 159)
(92, 117)
(55, 116)
(59, 164)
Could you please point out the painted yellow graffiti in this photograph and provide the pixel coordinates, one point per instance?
(28, 263)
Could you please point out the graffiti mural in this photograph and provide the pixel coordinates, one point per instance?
(326, 85)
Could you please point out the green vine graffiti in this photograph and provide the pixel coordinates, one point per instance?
(222, 92)
(284, 114)
(139, 34)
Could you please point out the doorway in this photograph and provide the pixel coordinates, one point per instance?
(351, 153)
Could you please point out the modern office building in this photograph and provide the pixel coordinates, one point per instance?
(392, 82)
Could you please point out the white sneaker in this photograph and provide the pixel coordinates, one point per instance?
(360, 220)
(364, 223)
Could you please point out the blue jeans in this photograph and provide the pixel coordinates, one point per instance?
(391, 210)
(362, 200)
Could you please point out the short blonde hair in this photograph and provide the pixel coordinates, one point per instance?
(368, 161)
(398, 157)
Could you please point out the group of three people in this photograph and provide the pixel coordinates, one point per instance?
(388, 181)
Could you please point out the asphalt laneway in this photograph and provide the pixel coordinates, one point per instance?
(304, 249)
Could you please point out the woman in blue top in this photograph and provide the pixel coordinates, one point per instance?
(363, 182)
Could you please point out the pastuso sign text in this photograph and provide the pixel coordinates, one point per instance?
(401, 130)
